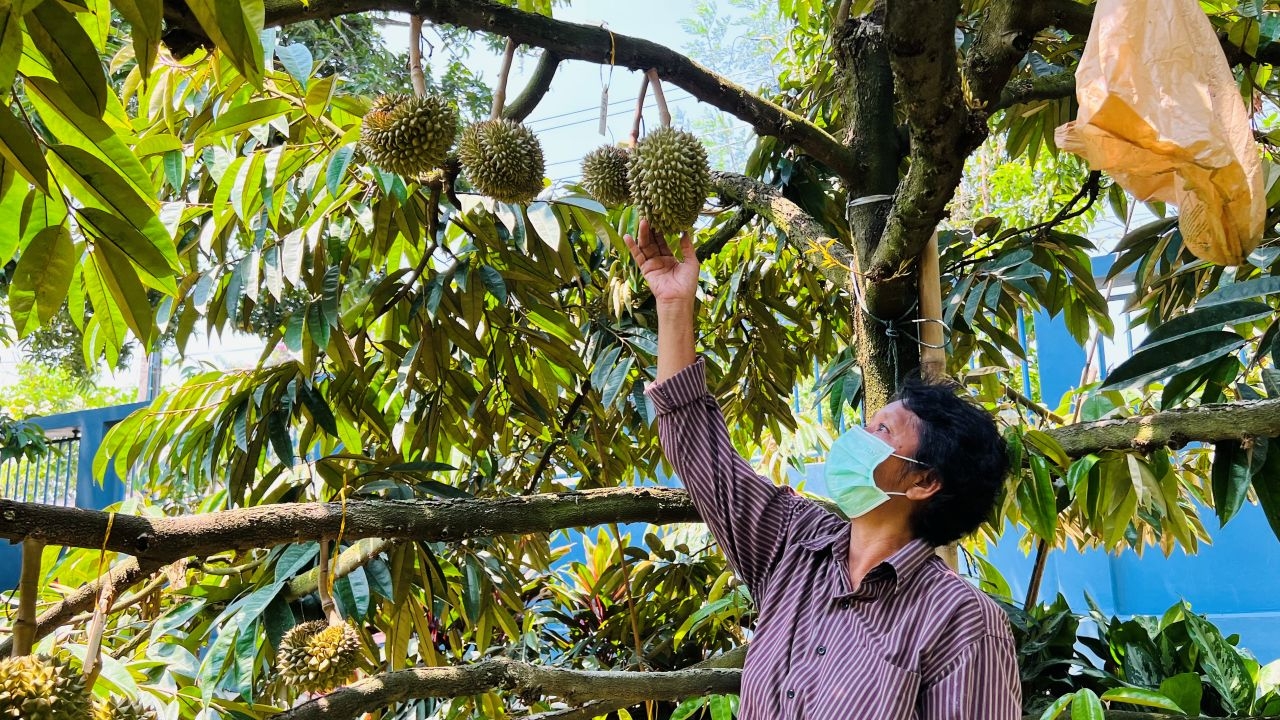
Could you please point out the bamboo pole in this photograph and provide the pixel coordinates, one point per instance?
(933, 356)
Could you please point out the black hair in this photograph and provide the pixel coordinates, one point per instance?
(960, 442)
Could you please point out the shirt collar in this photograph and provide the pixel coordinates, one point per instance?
(904, 563)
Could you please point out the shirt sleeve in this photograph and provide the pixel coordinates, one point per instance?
(982, 682)
(749, 516)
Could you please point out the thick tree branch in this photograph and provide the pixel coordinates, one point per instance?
(123, 576)
(524, 103)
(1027, 89)
(922, 53)
(1175, 428)
(349, 560)
(803, 232)
(166, 539)
(573, 41)
(526, 680)
(159, 540)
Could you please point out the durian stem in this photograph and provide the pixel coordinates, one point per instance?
(325, 588)
(635, 124)
(415, 56)
(500, 94)
(97, 626)
(24, 628)
(663, 113)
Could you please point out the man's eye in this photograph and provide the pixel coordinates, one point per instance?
(883, 428)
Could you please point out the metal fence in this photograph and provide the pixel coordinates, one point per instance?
(49, 479)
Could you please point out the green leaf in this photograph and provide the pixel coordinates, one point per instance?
(18, 148)
(278, 432)
(1142, 696)
(72, 55)
(42, 278)
(686, 709)
(352, 592)
(1185, 690)
(338, 168)
(297, 61)
(494, 283)
(1247, 290)
(156, 264)
(1037, 501)
(1170, 358)
(1231, 477)
(97, 185)
(1222, 664)
(234, 27)
(243, 117)
(611, 391)
(1086, 706)
(1266, 484)
(10, 45)
(122, 295)
(145, 18)
(1213, 317)
(721, 708)
(175, 169)
(1055, 709)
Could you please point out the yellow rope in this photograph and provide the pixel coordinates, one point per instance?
(106, 537)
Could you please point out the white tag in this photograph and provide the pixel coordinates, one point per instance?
(604, 110)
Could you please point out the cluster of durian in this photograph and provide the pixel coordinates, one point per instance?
(666, 176)
(42, 688)
(121, 709)
(413, 135)
(317, 657)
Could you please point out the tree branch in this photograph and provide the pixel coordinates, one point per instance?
(528, 681)
(524, 103)
(349, 560)
(573, 41)
(802, 231)
(1173, 428)
(123, 576)
(922, 53)
(166, 539)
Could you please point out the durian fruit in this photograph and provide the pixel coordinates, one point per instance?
(316, 656)
(409, 135)
(604, 175)
(670, 178)
(121, 709)
(502, 159)
(39, 688)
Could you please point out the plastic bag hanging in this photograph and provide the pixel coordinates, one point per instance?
(1160, 113)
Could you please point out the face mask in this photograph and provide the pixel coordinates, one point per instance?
(850, 468)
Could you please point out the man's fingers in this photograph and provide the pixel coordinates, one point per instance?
(653, 244)
(636, 253)
(686, 246)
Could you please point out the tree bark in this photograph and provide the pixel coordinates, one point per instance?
(1173, 428)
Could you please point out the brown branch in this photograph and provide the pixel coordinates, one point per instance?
(349, 560)
(922, 54)
(1029, 89)
(802, 231)
(504, 74)
(726, 232)
(166, 539)
(1173, 428)
(123, 576)
(24, 628)
(529, 681)
(415, 56)
(573, 41)
(524, 103)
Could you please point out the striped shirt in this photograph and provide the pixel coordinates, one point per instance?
(914, 642)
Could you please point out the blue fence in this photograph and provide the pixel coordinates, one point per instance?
(65, 475)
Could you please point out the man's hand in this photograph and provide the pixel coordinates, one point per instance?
(672, 281)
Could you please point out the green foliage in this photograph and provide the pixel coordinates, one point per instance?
(43, 390)
(20, 440)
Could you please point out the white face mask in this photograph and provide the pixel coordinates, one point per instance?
(850, 471)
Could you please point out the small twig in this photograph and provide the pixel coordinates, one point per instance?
(842, 12)
(635, 124)
(524, 103)
(500, 94)
(663, 113)
(536, 478)
(327, 604)
(97, 626)
(415, 56)
(24, 628)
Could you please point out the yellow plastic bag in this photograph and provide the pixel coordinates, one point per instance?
(1161, 114)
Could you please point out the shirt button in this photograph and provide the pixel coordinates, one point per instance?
(844, 604)
(791, 694)
(822, 650)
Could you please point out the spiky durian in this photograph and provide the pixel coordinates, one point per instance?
(409, 135)
(316, 656)
(604, 175)
(669, 179)
(502, 159)
(39, 688)
(121, 709)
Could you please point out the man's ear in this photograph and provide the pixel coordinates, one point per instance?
(928, 484)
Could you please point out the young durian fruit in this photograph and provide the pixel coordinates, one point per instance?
(121, 709)
(317, 657)
(604, 175)
(669, 178)
(409, 135)
(502, 159)
(41, 688)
